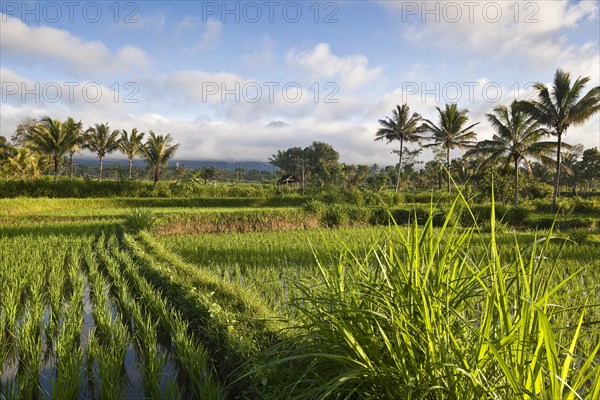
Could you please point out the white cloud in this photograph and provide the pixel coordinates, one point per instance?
(154, 21)
(261, 56)
(503, 30)
(351, 71)
(211, 35)
(46, 44)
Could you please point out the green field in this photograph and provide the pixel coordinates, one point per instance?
(261, 298)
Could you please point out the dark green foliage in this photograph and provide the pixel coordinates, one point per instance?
(316, 207)
(85, 188)
(532, 188)
(335, 215)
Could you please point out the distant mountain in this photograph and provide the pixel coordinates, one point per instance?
(190, 164)
(277, 124)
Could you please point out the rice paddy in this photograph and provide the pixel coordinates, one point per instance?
(91, 309)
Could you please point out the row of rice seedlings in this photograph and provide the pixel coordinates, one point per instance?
(19, 268)
(30, 282)
(57, 270)
(142, 325)
(69, 354)
(229, 318)
(108, 342)
(11, 295)
(29, 343)
(55, 278)
(191, 357)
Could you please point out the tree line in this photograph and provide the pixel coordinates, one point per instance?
(48, 141)
(519, 129)
(519, 147)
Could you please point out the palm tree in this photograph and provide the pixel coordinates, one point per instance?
(48, 138)
(5, 148)
(560, 109)
(131, 145)
(517, 137)
(26, 163)
(451, 132)
(157, 152)
(102, 141)
(75, 138)
(401, 128)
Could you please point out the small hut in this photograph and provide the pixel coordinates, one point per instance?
(288, 181)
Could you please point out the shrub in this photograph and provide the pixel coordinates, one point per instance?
(331, 197)
(334, 215)
(139, 219)
(314, 206)
(532, 188)
(358, 215)
(516, 216)
(586, 206)
(354, 197)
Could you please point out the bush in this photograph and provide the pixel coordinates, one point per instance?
(331, 197)
(516, 216)
(334, 215)
(586, 206)
(314, 206)
(510, 216)
(359, 215)
(140, 219)
(354, 197)
(564, 224)
(532, 188)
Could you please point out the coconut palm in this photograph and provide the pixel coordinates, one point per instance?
(402, 128)
(48, 138)
(562, 108)
(5, 147)
(102, 141)
(518, 137)
(157, 152)
(75, 138)
(131, 145)
(451, 132)
(26, 163)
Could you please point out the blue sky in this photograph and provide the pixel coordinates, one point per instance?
(328, 69)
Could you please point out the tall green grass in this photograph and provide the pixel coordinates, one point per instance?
(436, 314)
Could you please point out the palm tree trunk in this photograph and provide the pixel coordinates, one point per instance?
(130, 168)
(448, 166)
(71, 166)
(55, 170)
(156, 175)
(100, 172)
(516, 182)
(399, 165)
(557, 179)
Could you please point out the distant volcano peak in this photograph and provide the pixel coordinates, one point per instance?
(277, 124)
